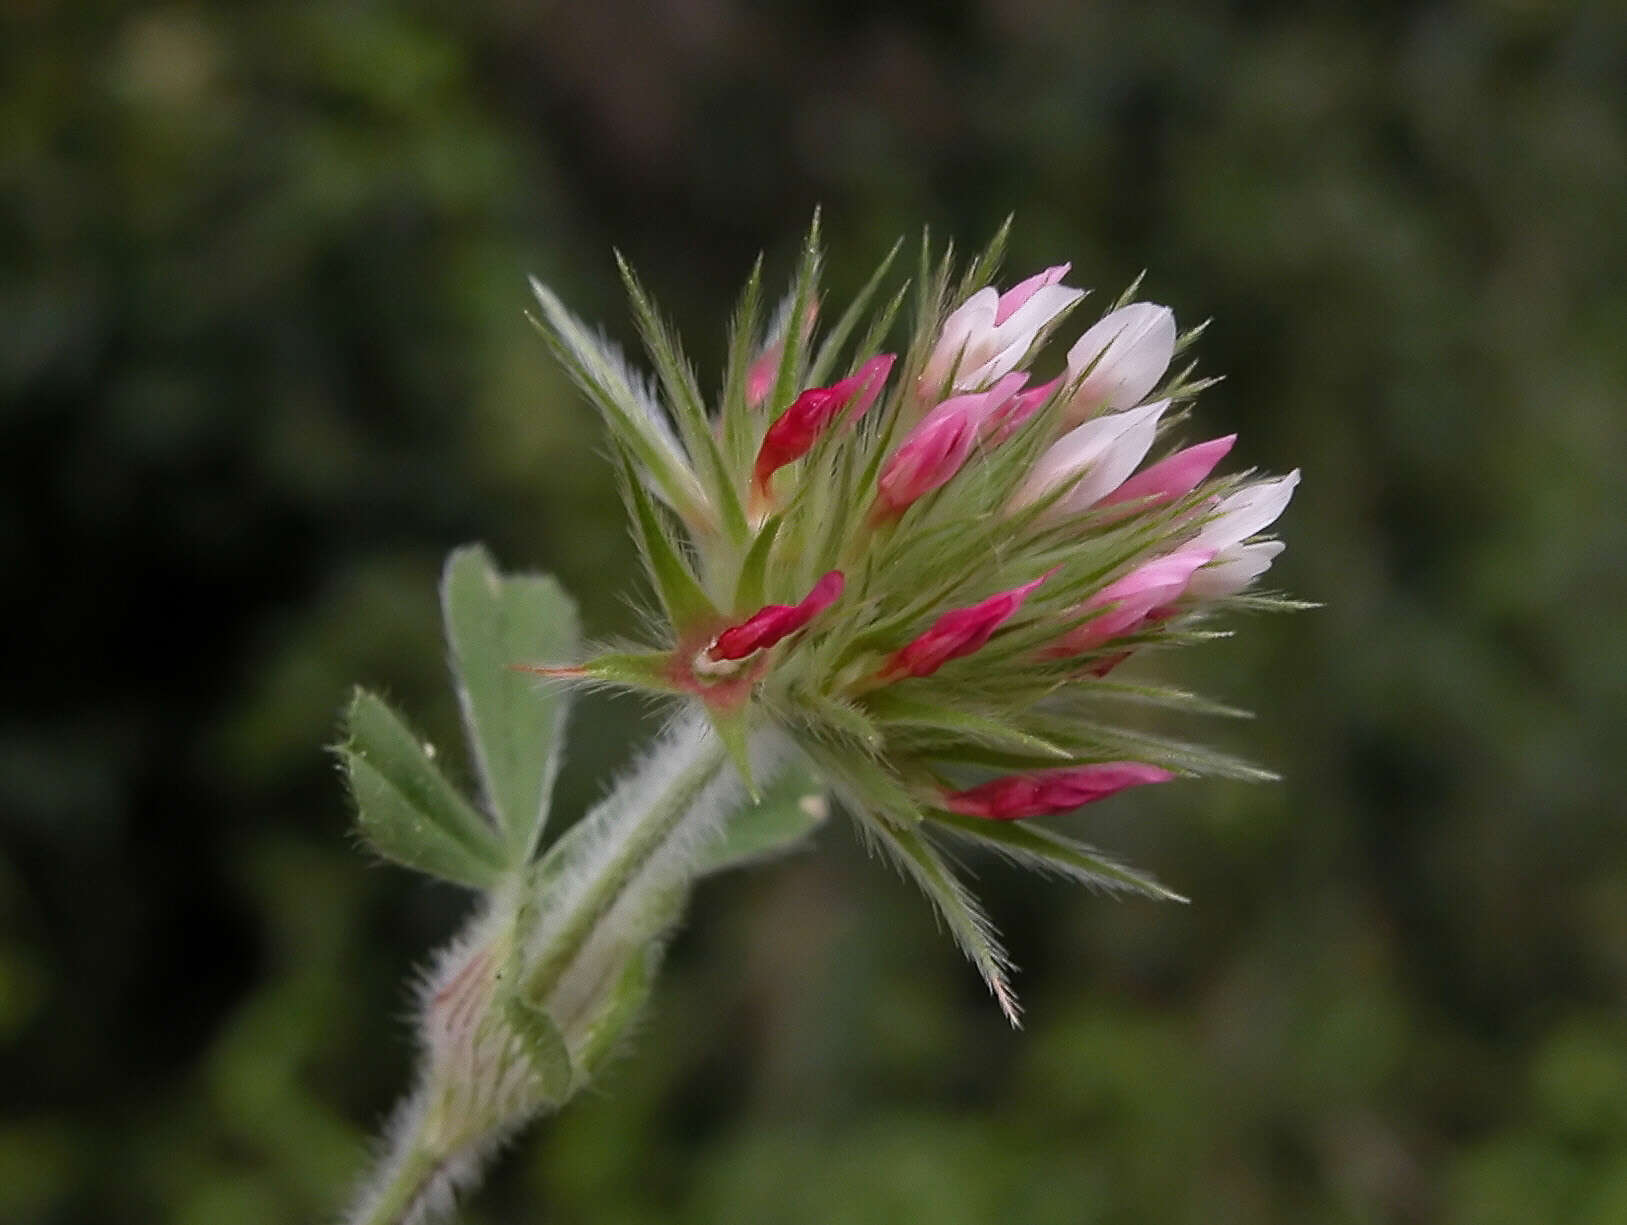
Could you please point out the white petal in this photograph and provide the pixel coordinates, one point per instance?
(1131, 348)
(1107, 449)
(1234, 569)
(1246, 512)
(1002, 348)
(965, 337)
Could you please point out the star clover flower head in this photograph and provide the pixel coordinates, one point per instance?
(917, 567)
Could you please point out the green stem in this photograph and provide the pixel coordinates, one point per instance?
(634, 824)
(409, 1174)
(637, 843)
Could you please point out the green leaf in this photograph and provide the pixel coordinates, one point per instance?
(515, 726)
(406, 809)
(792, 807)
(956, 907)
(1035, 847)
(680, 593)
(544, 1047)
(405, 835)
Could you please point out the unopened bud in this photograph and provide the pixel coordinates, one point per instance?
(1051, 791)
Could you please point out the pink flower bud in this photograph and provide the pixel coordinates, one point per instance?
(793, 435)
(1006, 419)
(1133, 599)
(1174, 477)
(1051, 791)
(1096, 457)
(773, 622)
(1126, 353)
(936, 448)
(956, 633)
(989, 333)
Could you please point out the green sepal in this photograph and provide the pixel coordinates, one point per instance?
(864, 783)
(1035, 847)
(405, 809)
(842, 716)
(792, 807)
(805, 290)
(515, 726)
(649, 671)
(737, 426)
(680, 593)
(751, 590)
(957, 909)
(894, 710)
(829, 349)
(544, 1047)
(678, 378)
(626, 1000)
(733, 729)
(598, 369)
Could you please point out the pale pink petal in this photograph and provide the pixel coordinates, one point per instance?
(1173, 477)
(1024, 290)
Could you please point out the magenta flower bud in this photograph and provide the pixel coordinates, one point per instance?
(1174, 477)
(937, 447)
(773, 622)
(989, 333)
(1051, 791)
(793, 435)
(956, 633)
(1005, 420)
(1133, 599)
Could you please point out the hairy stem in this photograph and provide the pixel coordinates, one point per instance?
(608, 890)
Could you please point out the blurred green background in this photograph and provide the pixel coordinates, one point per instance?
(263, 361)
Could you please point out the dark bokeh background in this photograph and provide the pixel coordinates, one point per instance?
(262, 361)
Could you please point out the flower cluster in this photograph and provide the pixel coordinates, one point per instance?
(921, 565)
